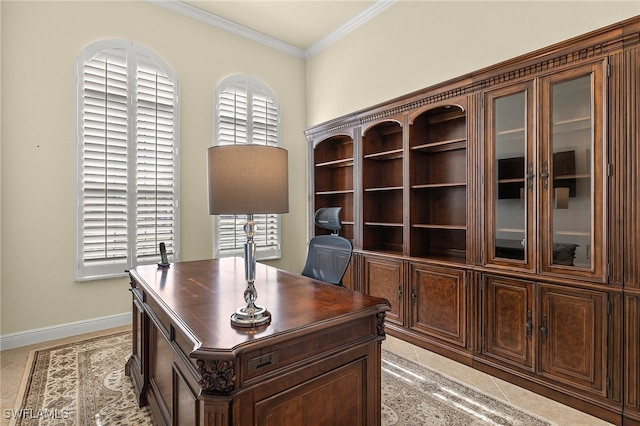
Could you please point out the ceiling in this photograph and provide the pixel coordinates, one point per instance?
(301, 27)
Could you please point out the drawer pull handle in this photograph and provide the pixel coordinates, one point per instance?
(543, 329)
(528, 325)
(263, 361)
(545, 174)
(530, 176)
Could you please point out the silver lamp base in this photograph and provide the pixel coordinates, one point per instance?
(247, 317)
(250, 315)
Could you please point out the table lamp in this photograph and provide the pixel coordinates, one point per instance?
(248, 179)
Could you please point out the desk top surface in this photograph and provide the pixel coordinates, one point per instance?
(200, 296)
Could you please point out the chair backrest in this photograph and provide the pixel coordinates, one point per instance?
(329, 255)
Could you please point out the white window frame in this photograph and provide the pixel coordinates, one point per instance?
(110, 267)
(263, 252)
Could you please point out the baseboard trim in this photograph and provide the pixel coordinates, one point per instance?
(40, 335)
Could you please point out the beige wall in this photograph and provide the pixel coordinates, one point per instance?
(40, 43)
(410, 46)
(416, 44)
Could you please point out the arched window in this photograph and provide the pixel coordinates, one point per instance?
(246, 112)
(127, 152)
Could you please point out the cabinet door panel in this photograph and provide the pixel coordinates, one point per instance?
(138, 353)
(572, 337)
(508, 325)
(185, 400)
(341, 393)
(438, 302)
(509, 176)
(137, 364)
(384, 278)
(571, 172)
(632, 355)
(160, 372)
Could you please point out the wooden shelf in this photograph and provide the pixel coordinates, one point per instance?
(512, 230)
(384, 224)
(571, 125)
(333, 161)
(573, 233)
(382, 182)
(432, 226)
(383, 188)
(576, 176)
(439, 185)
(446, 145)
(393, 154)
(511, 132)
(438, 182)
(514, 180)
(387, 251)
(345, 162)
(336, 192)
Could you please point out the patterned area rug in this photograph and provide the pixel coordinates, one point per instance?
(415, 395)
(83, 383)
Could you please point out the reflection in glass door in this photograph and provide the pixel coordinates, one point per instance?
(545, 173)
(511, 171)
(566, 174)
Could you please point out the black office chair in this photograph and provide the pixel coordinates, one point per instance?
(329, 255)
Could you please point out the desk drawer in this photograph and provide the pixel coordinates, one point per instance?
(287, 353)
(159, 316)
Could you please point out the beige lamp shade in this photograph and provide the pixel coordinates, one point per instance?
(248, 179)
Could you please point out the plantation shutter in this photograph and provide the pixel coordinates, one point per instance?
(233, 115)
(155, 174)
(246, 113)
(265, 119)
(104, 173)
(127, 161)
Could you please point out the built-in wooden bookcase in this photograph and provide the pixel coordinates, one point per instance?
(333, 180)
(382, 187)
(497, 213)
(438, 171)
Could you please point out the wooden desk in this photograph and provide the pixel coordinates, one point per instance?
(318, 362)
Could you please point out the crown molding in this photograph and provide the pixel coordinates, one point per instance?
(208, 18)
(227, 25)
(329, 39)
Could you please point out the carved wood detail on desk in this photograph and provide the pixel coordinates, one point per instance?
(381, 317)
(217, 375)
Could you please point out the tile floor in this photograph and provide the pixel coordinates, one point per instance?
(529, 401)
(13, 362)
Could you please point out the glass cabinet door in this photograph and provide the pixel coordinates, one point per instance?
(571, 170)
(509, 176)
